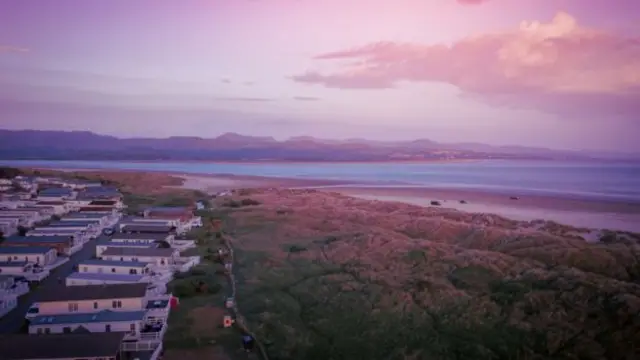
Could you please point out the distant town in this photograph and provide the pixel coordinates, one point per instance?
(80, 279)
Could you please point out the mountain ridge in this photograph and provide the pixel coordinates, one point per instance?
(63, 145)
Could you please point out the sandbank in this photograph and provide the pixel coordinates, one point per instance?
(584, 213)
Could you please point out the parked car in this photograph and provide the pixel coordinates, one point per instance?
(33, 311)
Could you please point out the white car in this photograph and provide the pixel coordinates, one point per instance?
(33, 311)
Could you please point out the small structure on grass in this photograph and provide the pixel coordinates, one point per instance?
(227, 321)
(248, 342)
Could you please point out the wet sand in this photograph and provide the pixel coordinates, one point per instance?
(594, 214)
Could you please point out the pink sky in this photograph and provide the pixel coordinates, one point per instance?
(562, 74)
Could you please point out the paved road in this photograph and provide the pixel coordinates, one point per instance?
(13, 321)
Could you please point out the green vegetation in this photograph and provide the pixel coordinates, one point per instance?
(200, 280)
(9, 172)
(240, 203)
(313, 292)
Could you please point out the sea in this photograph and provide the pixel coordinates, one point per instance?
(594, 180)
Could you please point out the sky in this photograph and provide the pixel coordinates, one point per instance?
(562, 74)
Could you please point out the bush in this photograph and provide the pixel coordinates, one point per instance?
(249, 202)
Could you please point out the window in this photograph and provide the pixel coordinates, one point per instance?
(85, 269)
(39, 331)
(113, 270)
(47, 331)
(107, 328)
(73, 307)
(116, 304)
(66, 330)
(95, 304)
(133, 327)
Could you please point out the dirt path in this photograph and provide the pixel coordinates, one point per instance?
(240, 321)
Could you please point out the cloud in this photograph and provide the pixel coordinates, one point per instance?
(225, 81)
(305, 98)
(249, 99)
(471, 2)
(558, 66)
(12, 49)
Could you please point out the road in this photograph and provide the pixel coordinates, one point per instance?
(14, 321)
(239, 319)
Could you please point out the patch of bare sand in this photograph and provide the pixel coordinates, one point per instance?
(209, 352)
(206, 319)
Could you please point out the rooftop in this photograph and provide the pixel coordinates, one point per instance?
(13, 264)
(94, 292)
(103, 202)
(73, 223)
(129, 244)
(55, 192)
(168, 209)
(85, 318)
(122, 236)
(39, 239)
(78, 215)
(131, 251)
(129, 278)
(53, 230)
(148, 228)
(113, 263)
(24, 250)
(60, 346)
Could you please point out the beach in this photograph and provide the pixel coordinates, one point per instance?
(610, 214)
(593, 214)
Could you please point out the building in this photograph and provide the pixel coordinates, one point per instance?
(133, 238)
(61, 244)
(28, 217)
(103, 321)
(161, 212)
(93, 298)
(102, 219)
(81, 345)
(113, 267)
(103, 245)
(9, 226)
(41, 255)
(79, 237)
(55, 194)
(59, 207)
(16, 268)
(9, 293)
(162, 257)
(147, 229)
(84, 278)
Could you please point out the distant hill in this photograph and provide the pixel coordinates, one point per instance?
(84, 145)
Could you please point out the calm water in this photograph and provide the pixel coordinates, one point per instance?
(593, 180)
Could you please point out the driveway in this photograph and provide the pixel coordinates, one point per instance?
(14, 321)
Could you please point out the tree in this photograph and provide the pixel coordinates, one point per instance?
(162, 244)
(22, 231)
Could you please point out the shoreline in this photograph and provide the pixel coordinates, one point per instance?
(579, 212)
(275, 161)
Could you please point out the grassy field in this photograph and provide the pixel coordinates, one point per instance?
(325, 276)
(328, 277)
